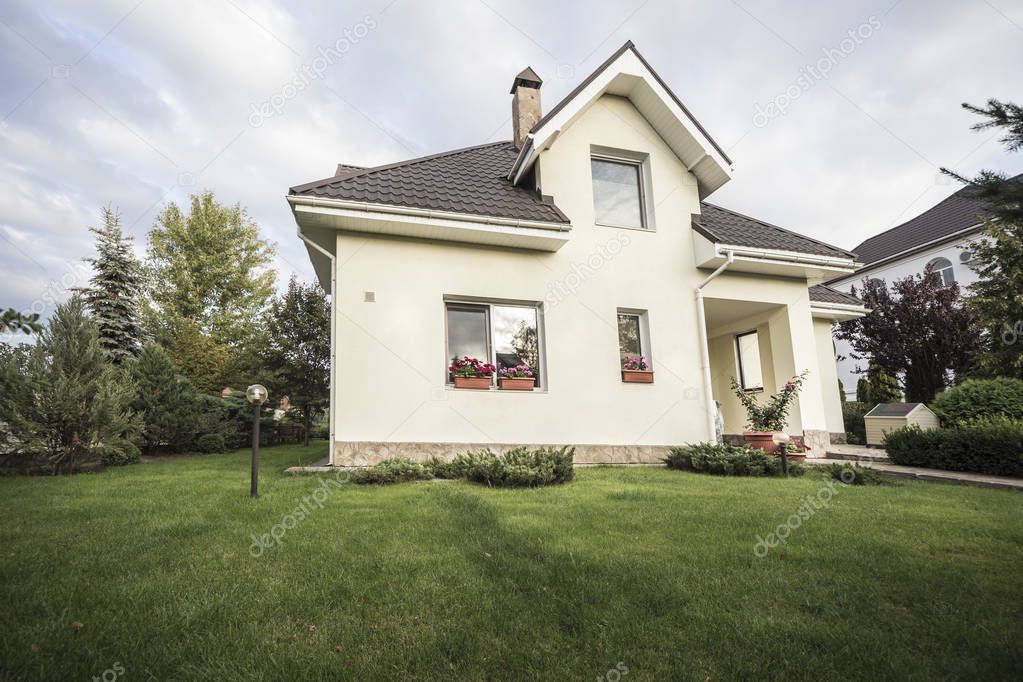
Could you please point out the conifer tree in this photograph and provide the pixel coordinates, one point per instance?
(114, 290)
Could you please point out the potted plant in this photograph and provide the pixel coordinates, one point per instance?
(767, 420)
(636, 371)
(796, 450)
(472, 373)
(518, 378)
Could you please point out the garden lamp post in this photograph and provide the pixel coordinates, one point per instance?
(256, 395)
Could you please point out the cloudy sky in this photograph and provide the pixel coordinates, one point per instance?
(140, 103)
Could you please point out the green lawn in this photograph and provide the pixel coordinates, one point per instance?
(149, 567)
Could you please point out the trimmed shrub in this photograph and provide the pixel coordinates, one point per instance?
(211, 443)
(976, 399)
(118, 452)
(723, 459)
(852, 418)
(393, 471)
(519, 468)
(986, 447)
(853, 474)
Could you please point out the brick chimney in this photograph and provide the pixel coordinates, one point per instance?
(525, 104)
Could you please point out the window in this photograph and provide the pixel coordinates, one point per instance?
(747, 349)
(943, 267)
(618, 192)
(633, 336)
(506, 335)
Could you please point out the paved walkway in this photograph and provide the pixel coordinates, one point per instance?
(922, 474)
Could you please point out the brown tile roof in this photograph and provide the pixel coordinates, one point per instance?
(471, 181)
(955, 214)
(474, 181)
(723, 226)
(825, 294)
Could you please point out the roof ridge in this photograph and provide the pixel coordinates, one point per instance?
(954, 195)
(396, 164)
(776, 227)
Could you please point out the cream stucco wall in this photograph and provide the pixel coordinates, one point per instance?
(391, 364)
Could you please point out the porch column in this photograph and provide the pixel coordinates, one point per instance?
(794, 350)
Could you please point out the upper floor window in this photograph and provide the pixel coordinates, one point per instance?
(505, 335)
(620, 188)
(943, 267)
(747, 350)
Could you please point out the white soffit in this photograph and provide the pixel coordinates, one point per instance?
(629, 76)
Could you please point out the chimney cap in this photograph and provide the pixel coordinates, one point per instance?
(528, 78)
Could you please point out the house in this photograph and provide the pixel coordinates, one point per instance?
(584, 239)
(939, 237)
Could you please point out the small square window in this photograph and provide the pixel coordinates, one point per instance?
(618, 193)
(747, 349)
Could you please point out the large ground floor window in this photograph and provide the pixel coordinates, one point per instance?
(504, 334)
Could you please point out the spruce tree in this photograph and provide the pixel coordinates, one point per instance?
(70, 402)
(997, 297)
(114, 290)
(165, 403)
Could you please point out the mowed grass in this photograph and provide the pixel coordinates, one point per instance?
(149, 567)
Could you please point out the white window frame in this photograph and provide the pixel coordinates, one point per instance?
(940, 271)
(642, 163)
(739, 366)
(488, 304)
(644, 334)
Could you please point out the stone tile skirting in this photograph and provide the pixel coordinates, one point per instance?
(367, 453)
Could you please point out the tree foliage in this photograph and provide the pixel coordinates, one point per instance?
(114, 290)
(298, 347)
(167, 405)
(62, 399)
(878, 386)
(209, 267)
(14, 321)
(199, 357)
(997, 297)
(920, 331)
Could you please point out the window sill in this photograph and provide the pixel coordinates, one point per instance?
(492, 389)
(625, 227)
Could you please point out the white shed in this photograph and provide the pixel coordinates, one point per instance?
(890, 416)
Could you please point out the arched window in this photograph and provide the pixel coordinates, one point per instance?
(943, 267)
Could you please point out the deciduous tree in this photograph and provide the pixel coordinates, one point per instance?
(920, 331)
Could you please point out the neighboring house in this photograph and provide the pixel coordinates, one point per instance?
(584, 239)
(940, 237)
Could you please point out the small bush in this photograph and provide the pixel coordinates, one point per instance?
(727, 460)
(986, 447)
(853, 474)
(211, 443)
(977, 399)
(118, 452)
(521, 467)
(393, 471)
(855, 427)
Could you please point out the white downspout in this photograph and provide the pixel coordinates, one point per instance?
(333, 349)
(701, 323)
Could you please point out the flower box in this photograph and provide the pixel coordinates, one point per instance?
(637, 376)
(517, 383)
(478, 383)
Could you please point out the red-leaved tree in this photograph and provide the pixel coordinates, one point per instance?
(920, 330)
